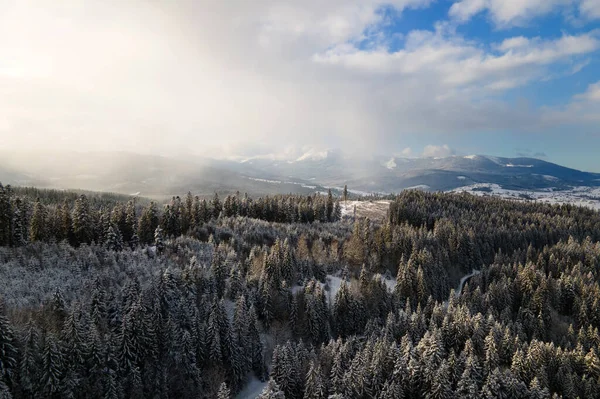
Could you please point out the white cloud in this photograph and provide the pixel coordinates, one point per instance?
(592, 93)
(466, 9)
(512, 43)
(229, 77)
(590, 8)
(584, 108)
(407, 152)
(454, 63)
(508, 13)
(437, 151)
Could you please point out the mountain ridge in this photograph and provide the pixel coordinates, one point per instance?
(155, 175)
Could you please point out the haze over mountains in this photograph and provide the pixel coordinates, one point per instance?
(152, 175)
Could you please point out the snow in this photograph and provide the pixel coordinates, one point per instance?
(391, 164)
(372, 209)
(580, 196)
(313, 155)
(510, 165)
(465, 278)
(253, 389)
(458, 290)
(470, 157)
(461, 177)
(284, 182)
(389, 282)
(265, 180)
(135, 194)
(357, 192)
(334, 284)
(419, 187)
(550, 178)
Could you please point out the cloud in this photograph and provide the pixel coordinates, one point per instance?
(508, 13)
(456, 63)
(591, 94)
(407, 152)
(435, 151)
(582, 110)
(590, 9)
(246, 78)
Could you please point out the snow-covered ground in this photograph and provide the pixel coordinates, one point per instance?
(335, 282)
(389, 281)
(580, 196)
(372, 209)
(253, 389)
(462, 281)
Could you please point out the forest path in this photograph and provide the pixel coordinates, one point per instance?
(464, 280)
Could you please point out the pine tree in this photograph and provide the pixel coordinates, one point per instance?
(5, 215)
(271, 391)
(224, 392)
(536, 391)
(18, 223)
(29, 361)
(492, 359)
(159, 240)
(467, 385)
(216, 206)
(52, 367)
(4, 391)
(37, 227)
(493, 386)
(337, 373)
(114, 240)
(147, 224)
(130, 228)
(256, 347)
(329, 206)
(82, 224)
(315, 385)
(66, 223)
(8, 348)
(441, 387)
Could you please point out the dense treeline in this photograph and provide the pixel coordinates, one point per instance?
(309, 308)
(29, 214)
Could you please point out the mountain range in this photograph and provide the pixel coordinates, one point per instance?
(157, 176)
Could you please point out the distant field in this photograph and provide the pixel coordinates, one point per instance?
(375, 210)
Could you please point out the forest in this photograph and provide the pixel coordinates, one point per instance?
(108, 296)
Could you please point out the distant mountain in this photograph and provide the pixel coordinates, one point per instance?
(393, 174)
(315, 171)
(129, 173)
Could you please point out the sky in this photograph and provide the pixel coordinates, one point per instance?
(279, 78)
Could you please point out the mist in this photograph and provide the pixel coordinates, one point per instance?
(270, 78)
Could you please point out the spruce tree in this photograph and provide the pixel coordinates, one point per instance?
(38, 224)
(114, 240)
(216, 206)
(18, 237)
(8, 348)
(52, 367)
(315, 386)
(5, 215)
(82, 222)
(224, 392)
(159, 240)
(271, 391)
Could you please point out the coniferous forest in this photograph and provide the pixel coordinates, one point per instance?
(107, 296)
